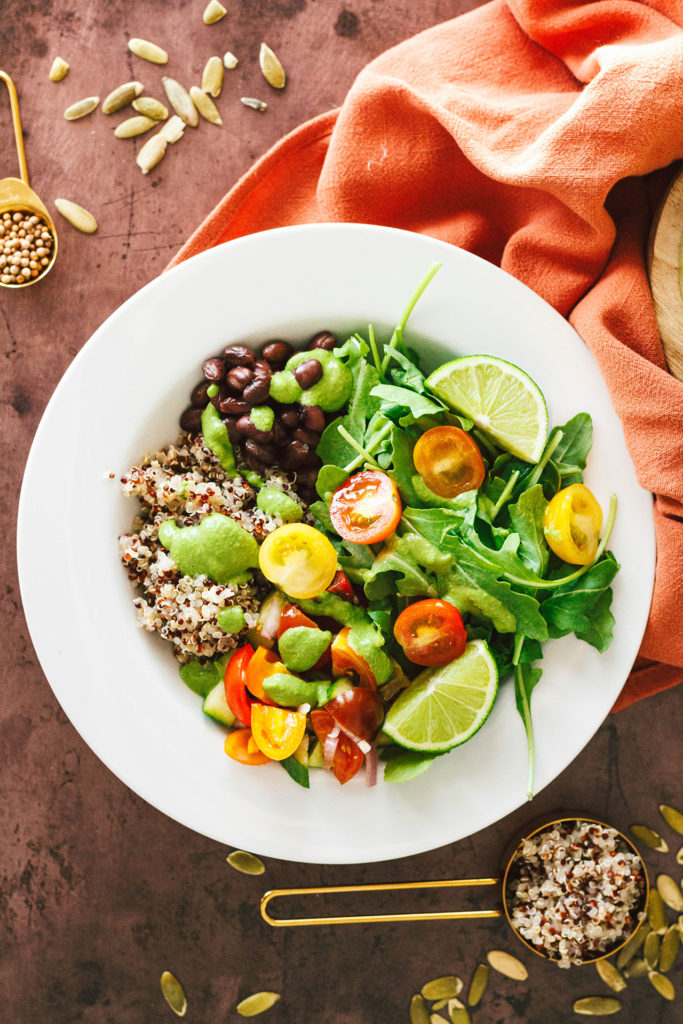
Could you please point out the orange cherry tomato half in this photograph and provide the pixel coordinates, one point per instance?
(345, 659)
(277, 731)
(240, 746)
(348, 757)
(449, 461)
(366, 508)
(431, 632)
(236, 696)
(263, 664)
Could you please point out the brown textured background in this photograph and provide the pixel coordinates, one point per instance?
(100, 893)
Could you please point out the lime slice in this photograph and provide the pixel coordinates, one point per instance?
(502, 400)
(443, 707)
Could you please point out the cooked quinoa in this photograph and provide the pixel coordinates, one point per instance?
(186, 482)
(575, 891)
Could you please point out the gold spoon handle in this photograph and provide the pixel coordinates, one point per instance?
(16, 121)
(297, 922)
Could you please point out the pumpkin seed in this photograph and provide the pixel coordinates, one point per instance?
(648, 836)
(181, 101)
(151, 153)
(478, 984)
(133, 126)
(258, 1003)
(446, 987)
(212, 76)
(629, 950)
(458, 1014)
(610, 975)
(440, 1003)
(230, 61)
(173, 993)
(59, 69)
(680, 925)
(213, 12)
(672, 817)
(150, 107)
(245, 862)
(271, 68)
(249, 101)
(205, 105)
(651, 949)
(636, 969)
(655, 911)
(121, 97)
(669, 948)
(419, 1014)
(597, 1006)
(664, 985)
(507, 964)
(670, 893)
(77, 216)
(173, 129)
(679, 855)
(81, 108)
(148, 51)
(436, 1018)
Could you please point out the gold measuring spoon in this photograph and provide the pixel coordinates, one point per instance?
(505, 883)
(16, 196)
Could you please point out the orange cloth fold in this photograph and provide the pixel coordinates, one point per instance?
(522, 131)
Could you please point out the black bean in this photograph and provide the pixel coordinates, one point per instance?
(264, 453)
(231, 426)
(214, 370)
(263, 369)
(238, 355)
(324, 339)
(239, 377)
(277, 352)
(217, 399)
(290, 417)
(233, 406)
(256, 392)
(199, 397)
(307, 476)
(308, 373)
(280, 434)
(247, 429)
(307, 436)
(296, 454)
(313, 418)
(191, 420)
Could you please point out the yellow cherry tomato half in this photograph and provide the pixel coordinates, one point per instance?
(571, 525)
(277, 731)
(299, 560)
(241, 747)
(449, 461)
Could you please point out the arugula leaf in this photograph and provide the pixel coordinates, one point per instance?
(473, 589)
(433, 523)
(571, 453)
(410, 375)
(407, 764)
(404, 468)
(296, 771)
(329, 479)
(334, 449)
(527, 520)
(500, 561)
(321, 511)
(583, 606)
(419, 405)
(601, 623)
(412, 562)
(526, 678)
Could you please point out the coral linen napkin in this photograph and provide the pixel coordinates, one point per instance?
(521, 132)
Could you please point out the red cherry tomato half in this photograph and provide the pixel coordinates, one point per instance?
(236, 695)
(431, 632)
(449, 461)
(359, 712)
(341, 586)
(366, 508)
(348, 756)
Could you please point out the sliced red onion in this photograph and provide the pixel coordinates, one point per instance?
(330, 746)
(371, 767)
(269, 616)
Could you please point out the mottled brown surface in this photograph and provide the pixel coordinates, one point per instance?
(101, 893)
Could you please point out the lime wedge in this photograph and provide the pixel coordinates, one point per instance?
(443, 707)
(502, 400)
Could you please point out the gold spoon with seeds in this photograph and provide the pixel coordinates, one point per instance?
(16, 195)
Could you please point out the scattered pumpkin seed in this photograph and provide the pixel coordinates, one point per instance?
(655, 912)
(258, 1003)
(648, 836)
(680, 925)
(205, 105)
(651, 949)
(133, 126)
(245, 862)
(173, 993)
(181, 101)
(212, 76)
(446, 987)
(249, 101)
(610, 975)
(77, 216)
(670, 893)
(151, 153)
(121, 96)
(458, 1014)
(150, 107)
(679, 855)
(436, 1018)
(669, 949)
(59, 69)
(672, 817)
(440, 1003)
(662, 984)
(419, 1014)
(230, 61)
(213, 12)
(81, 108)
(507, 964)
(597, 1006)
(173, 129)
(478, 984)
(629, 950)
(271, 68)
(148, 51)
(636, 969)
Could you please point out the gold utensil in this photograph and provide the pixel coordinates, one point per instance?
(16, 195)
(450, 915)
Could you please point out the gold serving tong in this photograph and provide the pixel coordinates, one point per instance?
(16, 195)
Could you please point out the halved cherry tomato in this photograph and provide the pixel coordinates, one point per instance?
(240, 746)
(277, 731)
(344, 658)
(298, 559)
(571, 524)
(359, 712)
(264, 663)
(348, 756)
(449, 461)
(341, 586)
(431, 632)
(291, 617)
(236, 695)
(366, 508)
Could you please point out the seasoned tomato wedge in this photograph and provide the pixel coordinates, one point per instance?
(236, 696)
(359, 712)
(366, 508)
(449, 461)
(431, 632)
(241, 746)
(348, 757)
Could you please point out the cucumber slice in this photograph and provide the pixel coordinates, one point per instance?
(316, 758)
(216, 706)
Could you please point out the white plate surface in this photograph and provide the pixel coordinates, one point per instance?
(122, 396)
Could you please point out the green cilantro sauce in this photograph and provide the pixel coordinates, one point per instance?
(231, 620)
(275, 502)
(330, 393)
(216, 439)
(364, 637)
(301, 646)
(216, 547)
